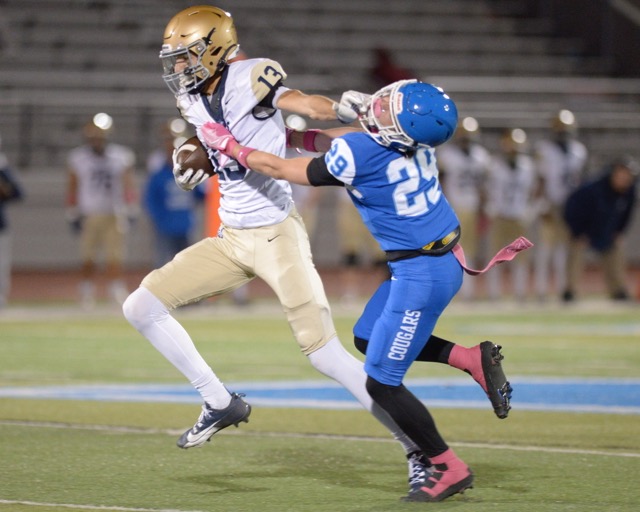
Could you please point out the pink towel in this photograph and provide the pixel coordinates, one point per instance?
(505, 254)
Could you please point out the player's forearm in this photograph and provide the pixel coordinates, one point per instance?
(293, 170)
(334, 133)
(318, 141)
(314, 141)
(313, 106)
(321, 108)
(219, 138)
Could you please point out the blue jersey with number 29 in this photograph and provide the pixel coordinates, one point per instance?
(399, 198)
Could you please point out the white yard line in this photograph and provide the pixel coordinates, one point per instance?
(170, 432)
(91, 507)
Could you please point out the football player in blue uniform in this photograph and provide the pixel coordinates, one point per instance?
(390, 173)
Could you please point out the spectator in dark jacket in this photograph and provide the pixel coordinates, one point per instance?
(598, 214)
(9, 191)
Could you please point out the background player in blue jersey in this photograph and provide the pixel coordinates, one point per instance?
(390, 173)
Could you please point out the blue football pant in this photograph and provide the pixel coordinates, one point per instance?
(401, 315)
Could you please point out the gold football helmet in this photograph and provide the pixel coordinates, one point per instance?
(564, 121)
(202, 39)
(514, 140)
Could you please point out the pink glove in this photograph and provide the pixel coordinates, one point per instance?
(218, 137)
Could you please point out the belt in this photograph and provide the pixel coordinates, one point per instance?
(437, 248)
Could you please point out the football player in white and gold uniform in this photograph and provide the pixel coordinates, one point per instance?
(511, 183)
(101, 197)
(464, 164)
(561, 162)
(261, 234)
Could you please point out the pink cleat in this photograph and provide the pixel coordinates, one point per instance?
(450, 476)
(483, 363)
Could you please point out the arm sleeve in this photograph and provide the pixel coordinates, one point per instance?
(319, 176)
(270, 100)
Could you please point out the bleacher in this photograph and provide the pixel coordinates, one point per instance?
(70, 58)
(63, 60)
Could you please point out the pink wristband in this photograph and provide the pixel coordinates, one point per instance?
(309, 140)
(243, 154)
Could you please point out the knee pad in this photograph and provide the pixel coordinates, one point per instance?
(311, 324)
(142, 307)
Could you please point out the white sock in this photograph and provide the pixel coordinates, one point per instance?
(152, 319)
(118, 290)
(334, 361)
(87, 289)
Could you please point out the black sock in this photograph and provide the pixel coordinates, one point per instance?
(436, 350)
(410, 415)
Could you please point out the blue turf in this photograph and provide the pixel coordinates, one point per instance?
(578, 395)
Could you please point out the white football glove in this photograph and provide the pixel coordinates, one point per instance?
(352, 105)
(189, 179)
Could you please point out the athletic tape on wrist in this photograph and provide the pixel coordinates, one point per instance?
(309, 140)
(229, 147)
(243, 154)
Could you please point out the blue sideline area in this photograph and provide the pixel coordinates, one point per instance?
(618, 396)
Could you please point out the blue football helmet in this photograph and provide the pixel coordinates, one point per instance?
(421, 114)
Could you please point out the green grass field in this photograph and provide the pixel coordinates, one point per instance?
(58, 455)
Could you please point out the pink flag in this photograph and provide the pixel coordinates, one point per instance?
(505, 254)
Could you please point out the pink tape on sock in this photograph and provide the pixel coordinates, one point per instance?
(469, 360)
(505, 254)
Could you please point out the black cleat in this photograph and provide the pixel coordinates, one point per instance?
(214, 420)
(498, 388)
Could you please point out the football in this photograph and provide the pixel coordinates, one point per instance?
(192, 155)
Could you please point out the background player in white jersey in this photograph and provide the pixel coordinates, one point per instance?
(561, 162)
(101, 198)
(463, 164)
(510, 189)
(262, 235)
(391, 176)
(360, 253)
